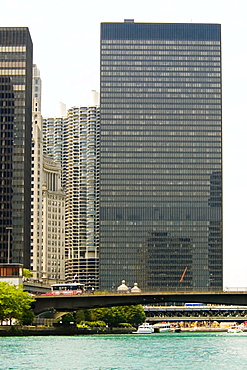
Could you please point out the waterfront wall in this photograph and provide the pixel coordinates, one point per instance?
(6, 331)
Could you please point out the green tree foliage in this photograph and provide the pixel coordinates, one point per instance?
(113, 316)
(135, 315)
(83, 315)
(27, 317)
(69, 317)
(27, 273)
(92, 324)
(15, 304)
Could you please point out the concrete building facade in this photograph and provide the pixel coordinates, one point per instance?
(81, 161)
(48, 202)
(53, 208)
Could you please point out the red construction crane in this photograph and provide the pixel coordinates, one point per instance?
(183, 274)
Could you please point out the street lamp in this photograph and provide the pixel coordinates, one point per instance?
(9, 228)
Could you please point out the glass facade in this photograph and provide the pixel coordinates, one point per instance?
(15, 144)
(161, 156)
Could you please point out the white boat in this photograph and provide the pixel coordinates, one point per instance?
(176, 329)
(235, 329)
(162, 327)
(165, 328)
(145, 328)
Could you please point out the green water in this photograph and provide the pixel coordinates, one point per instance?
(128, 352)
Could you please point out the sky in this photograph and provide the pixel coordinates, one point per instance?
(66, 41)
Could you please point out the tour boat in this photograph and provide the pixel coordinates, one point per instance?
(176, 329)
(145, 328)
(161, 327)
(235, 329)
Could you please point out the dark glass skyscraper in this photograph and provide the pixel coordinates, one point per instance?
(15, 144)
(161, 156)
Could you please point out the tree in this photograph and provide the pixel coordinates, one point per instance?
(84, 315)
(27, 317)
(14, 303)
(67, 318)
(135, 315)
(113, 316)
(27, 273)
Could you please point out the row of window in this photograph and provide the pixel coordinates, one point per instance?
(138, 89)
(159, 64)
(12, 72)
(143, 42)
(175, 93)
(150, 116)
(54, 250)
(161, 49)
(156, 174)
(55, 203)
(201, 132)
(12, 49)
(156, 72)
(161, 109)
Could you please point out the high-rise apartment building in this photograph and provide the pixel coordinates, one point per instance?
(161, 156)
(81, 173)
(53, 129)
(15, 144)
(74, 141)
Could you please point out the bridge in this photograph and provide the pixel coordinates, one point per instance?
(196, 313)
(64, 303)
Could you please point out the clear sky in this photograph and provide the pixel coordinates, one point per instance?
(66, 39)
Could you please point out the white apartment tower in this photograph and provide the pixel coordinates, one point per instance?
(53, 137)
(81, 159)
(76, 138)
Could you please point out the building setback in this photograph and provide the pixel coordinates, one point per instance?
(15, 144)
(161, 156)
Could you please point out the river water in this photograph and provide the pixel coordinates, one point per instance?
(126, 352)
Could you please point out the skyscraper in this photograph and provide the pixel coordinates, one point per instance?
(36, 258)
(48, 202)
(81, 174)
(15, 144)
(161, 156)
(53, 137)
(74, 141)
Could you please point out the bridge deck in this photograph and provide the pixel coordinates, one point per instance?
(198, 313)
(73, 303)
